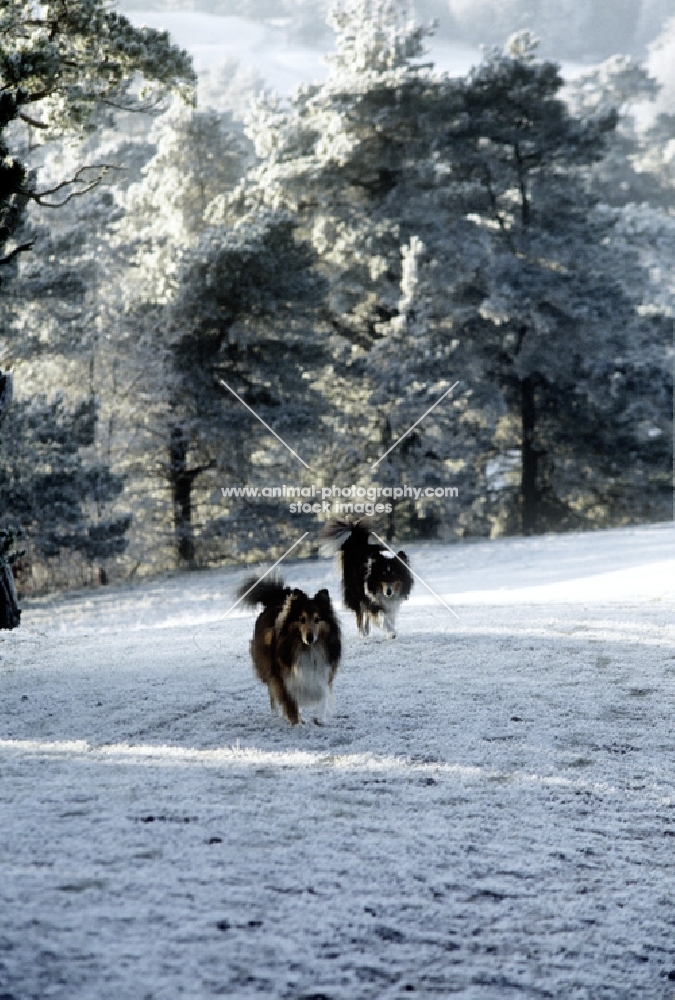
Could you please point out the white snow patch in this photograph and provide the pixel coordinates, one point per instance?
(491, 809)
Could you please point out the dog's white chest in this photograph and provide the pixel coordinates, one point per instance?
(390, 605)
(308, 681)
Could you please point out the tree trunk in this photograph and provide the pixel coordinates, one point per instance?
(182, 480)
(386, 439)
(5, 392)
(181, 489)
(528, 482)
(10, 614)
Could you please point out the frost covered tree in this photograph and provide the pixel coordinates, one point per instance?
(245, 314)
(199, 156)
(409, 368)
(627, 171)
(355, 159)
(50, 491)
(559, 320)
(64, 70)
(61, 64)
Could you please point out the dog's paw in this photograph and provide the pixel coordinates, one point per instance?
(318, 721)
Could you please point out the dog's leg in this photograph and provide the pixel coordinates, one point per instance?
(287, 704)
(389, 627)
(365, 621)
(326, 706)
(274, 704)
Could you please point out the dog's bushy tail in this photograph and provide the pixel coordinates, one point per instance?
(336, 533)
(271, 593)
(333, 531)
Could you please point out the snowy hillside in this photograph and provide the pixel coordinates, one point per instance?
(213, 40)
(490, 812)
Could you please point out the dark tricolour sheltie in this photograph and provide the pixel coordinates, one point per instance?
(374, 581)
(295, 647)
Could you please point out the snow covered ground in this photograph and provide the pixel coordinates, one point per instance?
(489, 814)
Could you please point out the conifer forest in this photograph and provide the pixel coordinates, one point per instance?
(338, 259)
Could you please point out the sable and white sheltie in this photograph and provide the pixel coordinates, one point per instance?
(295, 648)
(374, 582)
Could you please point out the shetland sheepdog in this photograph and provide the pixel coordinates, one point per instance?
(295, 648)
(374, 582)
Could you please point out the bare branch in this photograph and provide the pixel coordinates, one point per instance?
(39, 196)
(15, 252)
(38, 95)
(32, 121)
(145, 109)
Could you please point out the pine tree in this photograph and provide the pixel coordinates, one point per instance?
(356, 160)
(49, 489)
(244, 315)
(60, 63)
(558, 322)
(199, 157)
(63, 67)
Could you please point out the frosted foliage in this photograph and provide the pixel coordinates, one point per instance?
(653, 233)
(374, 36)
(617, 83)
(522, 45)
(229, 86)
(199, 156)
(661, 64)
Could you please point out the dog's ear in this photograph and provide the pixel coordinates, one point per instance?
(402, 556)
(291, 598)
(322, 599)
(294, 595)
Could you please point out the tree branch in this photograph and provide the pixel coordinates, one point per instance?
(522, 184)
(493, 199)
(32, 121)
(13, 253)
(39, 196)
(146, 108)
(38, 95)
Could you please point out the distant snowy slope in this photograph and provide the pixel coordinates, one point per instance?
(283, 64)
(589, 567)
(595, 567)
(211, 40)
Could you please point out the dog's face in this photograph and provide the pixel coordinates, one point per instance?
(387, 576)
(309, 617)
